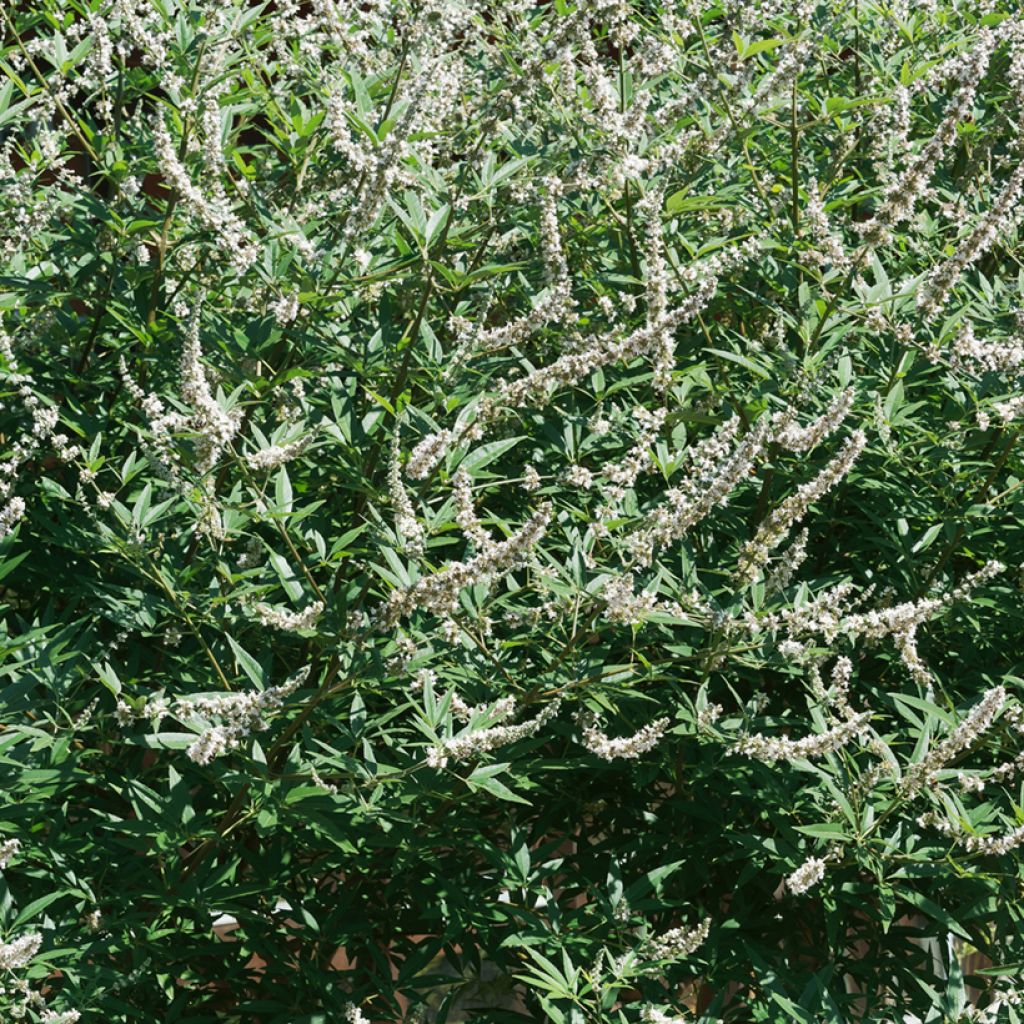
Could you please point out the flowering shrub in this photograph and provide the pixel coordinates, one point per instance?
(511, 512)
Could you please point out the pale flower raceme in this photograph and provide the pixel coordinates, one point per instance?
(997, 845)
(979, 719)
(212, 211)
(679, 942)
(624, 472)
(289, 621)
(438, 593)
(407, 526)
(214, 427)
(626, 607)
(8, 849)
(17, 953)
(902, 621)
(474, 742)
(776, 526)
(828, 246)
(628, 747)
(772, 749)
(802, 439)
(970, 354)
(808, 875)
(1000, 217)
(276, 455)
(652, 1015)
(537, 387)
(904, 191)
(41, 431)
(555, 304)
(465, 512)
(12, 511)
(240, 715)
(714, 469)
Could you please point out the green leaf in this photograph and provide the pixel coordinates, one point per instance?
(482, 779)
(108, 677)
(485, 454)
(935, 912)
(282, 492)
(37, 906)
(249, 665)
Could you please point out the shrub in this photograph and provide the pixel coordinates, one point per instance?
(510, 511)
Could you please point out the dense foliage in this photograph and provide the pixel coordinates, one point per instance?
(511, 512)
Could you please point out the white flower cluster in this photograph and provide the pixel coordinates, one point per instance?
(214, 428)
(286, 308)
(578, 476)
(13, 957)
(995, 845)
(902, 621)
(354, 1015)
(159, 444)
(652, 1015)
(426, 679)
(213, 212)
(1006, 411)
(678, 942)
(820, 615)
(969, 353)
(707, 716)
(977, 722)
(808, 875)
(776, 526)
(836, 697)
(656, 284)
(465, 512)
(16, 954)
(771, 749)
(8, 849)
(28, 209)
(11, 514)
(802, 439)
(626, 747)
(625, 607)
(439, 592)
(1007, 770)
(828, 246)
(474, 742)
(717, 466)
(787, 565)
(42, 431)
(276, 454)
(241, 713)
(428, 453)
(500, 709)
(422, 113)
(623, 473)
(537, 386)
(407, 526)
(289, 621)
(903, 192)
(999, 218)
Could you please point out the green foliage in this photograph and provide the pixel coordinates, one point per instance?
(411, 412)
